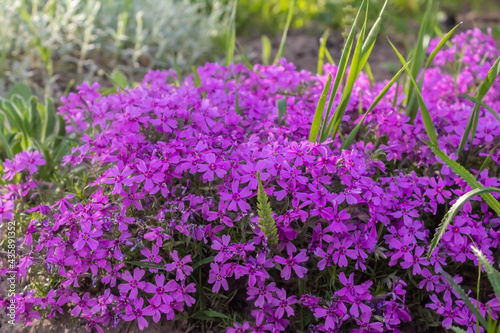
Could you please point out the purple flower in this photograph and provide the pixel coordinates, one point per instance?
(292, 263)
(86, 236)
(133, 283)
(283, 303)
(119, 176)
(236, 199)
(180, 266)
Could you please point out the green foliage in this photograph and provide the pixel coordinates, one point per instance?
(25, 123)
(48, 43)
(281, 49)
(266, 220)
(454, 210)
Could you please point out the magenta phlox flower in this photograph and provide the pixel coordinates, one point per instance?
(151, 173)
(132, 197)
(456, 230)
(292, 263)
(262, 293)
(158, 235)
(82, 304)
(151, 255)
(340, 256)
(293, 174)
(157, 307)
(133, 283)
(86, 237)
(238, 328)
(437, 191)
(217, 276)
(415, 260)
(283, 304)
(30, 160)
(212, 167)
(332, 314)
(236, 198)
(160, 289)
(119, 176)
(102, 302)
(225, 250)
(250, 174)
(365, 326)
(182, 270)
(136, 312)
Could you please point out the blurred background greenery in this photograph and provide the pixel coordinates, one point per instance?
(54, 45)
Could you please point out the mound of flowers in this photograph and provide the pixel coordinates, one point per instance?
(164, 219)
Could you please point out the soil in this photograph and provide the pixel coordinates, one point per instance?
(301, 49)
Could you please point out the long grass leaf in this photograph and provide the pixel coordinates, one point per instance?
(493, 274)
(333, 126)
(350, 138)
(320, 108)
(321, 52)
(484, 105)
(454, 210)
(474, 117)
(465, 175)
(429, 125)
(487, 160)
(266, 50)
(231, 36)
(466, 299)
(344, 58)
(418, 57)
(372, 36)
(281, 49)
(440, 45)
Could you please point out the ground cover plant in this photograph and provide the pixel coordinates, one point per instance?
(210, 198)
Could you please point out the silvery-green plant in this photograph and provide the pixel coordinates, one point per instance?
(43, 42)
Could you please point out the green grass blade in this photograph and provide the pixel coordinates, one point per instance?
(466, 299)
(236, 101)
(454, 210)
(369, 72)
(429, 125)
(484, 105)
(344, 58)
(281, 104)
(318, 115)
(487, 160)
(281, 49)
(231, 36)
(266, 50)
(474, 117)
(177, 71)
(440, 45)
(322, 51)
(197, 80)
(356, 66)
(457, 329)
(329, 57)
(465, 175)
(350, 138)
(418, 56)
(372, 36)
(493, 274)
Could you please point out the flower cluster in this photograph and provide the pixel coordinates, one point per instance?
(170, 204)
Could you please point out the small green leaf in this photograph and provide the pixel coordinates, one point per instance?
(428, 123)
(493, 274)
(474, 117)
(484, 105)
(487, 160)
(145, 264)
(119, 79)
(322, 51)
(350, 138)
(281, 49)
(266, 50)
(231, 36)
(281, 104)
(22, 90)
(440, 45)
(320, 108)
(209, 315)
(203, 262)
